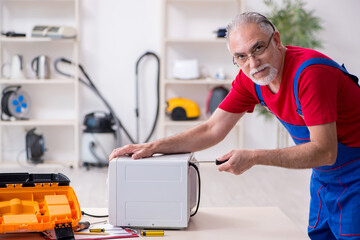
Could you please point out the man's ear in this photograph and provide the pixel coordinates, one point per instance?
(277, 40)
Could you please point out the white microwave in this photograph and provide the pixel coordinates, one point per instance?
(155, 192)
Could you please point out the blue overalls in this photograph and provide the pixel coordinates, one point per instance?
(334, 190)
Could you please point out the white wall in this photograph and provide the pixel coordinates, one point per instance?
(114, 33)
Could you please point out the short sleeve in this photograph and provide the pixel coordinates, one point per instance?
(240, 98)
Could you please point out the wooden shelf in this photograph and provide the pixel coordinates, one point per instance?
(202, 1)
(39, 123)
(47, 164)
(55, 100)
(189, 32)
(34, 40)
(190, 123)
(37, 81)
(198, 81)
(195, 40)
(44, 1)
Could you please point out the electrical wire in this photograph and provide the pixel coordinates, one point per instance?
(95, 216)
(199, 184)
(100, 161)
(92, 147)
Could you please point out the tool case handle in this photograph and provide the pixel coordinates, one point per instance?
(30, 179)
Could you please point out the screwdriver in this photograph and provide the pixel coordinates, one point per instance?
(82, 225)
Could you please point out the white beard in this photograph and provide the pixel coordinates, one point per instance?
(266, 80)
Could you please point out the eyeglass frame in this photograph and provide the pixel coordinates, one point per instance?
(254, 53)
(266, 21)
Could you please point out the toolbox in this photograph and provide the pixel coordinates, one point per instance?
(38, 202)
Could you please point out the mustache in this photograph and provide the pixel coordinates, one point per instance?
(260, 68)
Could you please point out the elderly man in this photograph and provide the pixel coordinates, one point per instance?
(317, 101)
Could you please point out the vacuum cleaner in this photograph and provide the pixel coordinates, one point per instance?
(35, 147)
(102, 130)
(215, 97)
(98, 139)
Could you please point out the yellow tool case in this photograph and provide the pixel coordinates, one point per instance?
(38, 202)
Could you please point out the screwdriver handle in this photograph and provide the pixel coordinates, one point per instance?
(217, 162)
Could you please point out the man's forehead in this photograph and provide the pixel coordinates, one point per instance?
(248, 29)
(245, 37)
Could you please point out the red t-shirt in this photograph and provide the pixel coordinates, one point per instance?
(326, 95)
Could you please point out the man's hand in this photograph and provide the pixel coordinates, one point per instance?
(135, 150)
(194, 139)
(238, 161)
(320, 151)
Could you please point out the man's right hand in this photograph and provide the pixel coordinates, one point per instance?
(136, 151)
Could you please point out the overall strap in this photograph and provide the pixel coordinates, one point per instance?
(260, 97)
(312, 61)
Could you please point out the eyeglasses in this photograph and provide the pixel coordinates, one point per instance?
(241, 59)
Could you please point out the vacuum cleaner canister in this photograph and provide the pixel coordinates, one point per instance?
(98, 139)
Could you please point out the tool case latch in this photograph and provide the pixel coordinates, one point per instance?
(64, 231)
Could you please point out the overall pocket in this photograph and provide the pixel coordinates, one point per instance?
(315, 203)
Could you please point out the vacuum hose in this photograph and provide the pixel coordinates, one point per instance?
(91, 85)
(137, 95)
(118, 123)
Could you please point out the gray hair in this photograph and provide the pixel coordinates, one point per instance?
(250, 17)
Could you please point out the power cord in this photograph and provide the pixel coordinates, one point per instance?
(95, 216)
(198, 174)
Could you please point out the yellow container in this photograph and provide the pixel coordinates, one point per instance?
(180, 109)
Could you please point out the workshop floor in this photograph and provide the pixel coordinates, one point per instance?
(260, 186)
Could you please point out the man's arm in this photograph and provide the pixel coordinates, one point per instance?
(320, 151)
(197, 138)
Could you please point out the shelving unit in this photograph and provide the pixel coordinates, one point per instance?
(54, 102)
(189, 32)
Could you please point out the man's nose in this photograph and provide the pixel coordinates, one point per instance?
(254, 62)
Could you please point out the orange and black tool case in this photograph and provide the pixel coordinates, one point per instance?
(38, 202)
